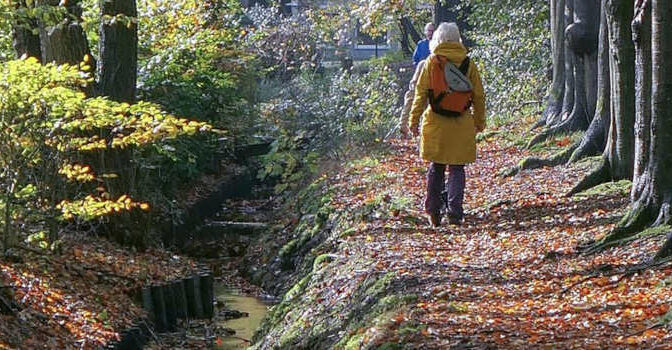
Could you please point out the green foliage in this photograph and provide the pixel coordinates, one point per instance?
(283, 44)
(192, 67)
(64, 155)
(335, 115)
(513, 50)
(6, 50)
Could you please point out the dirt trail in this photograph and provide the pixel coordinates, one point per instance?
(499, 280)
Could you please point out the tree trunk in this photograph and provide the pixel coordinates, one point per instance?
(652, 192)
(620, 145)
(415, 36)
(619, 151)
(403, 40)
(641, 36)
(568, 98)
(118, 51)
(443, 12)
(65, 42)
(581, 42)
(651, 196)
(594, 140)
(557, 90)
(24, 41)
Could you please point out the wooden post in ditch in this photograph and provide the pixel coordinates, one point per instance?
(180, 296)
(171, 314)
(194, 299)
(207, 293)
(160, 321)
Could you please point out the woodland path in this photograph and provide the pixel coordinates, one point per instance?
(508, 277)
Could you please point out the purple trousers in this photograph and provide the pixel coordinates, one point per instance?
(454, 189)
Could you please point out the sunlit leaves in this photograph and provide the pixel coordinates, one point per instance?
(47, 122)
(92, 207)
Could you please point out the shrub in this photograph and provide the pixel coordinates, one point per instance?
(331, 115)
(70, 158)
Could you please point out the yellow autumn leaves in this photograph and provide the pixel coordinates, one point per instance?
(91, 207)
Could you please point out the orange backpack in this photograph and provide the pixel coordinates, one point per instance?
(450, 91)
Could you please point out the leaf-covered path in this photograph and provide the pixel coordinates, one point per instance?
(509, 277)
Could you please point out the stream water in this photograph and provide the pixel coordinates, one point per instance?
(244, 326)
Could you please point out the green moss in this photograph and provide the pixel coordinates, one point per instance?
(390, 346)
(610, 188)
(393, 302)
(655, 231)
(288, 248)
(369, 162)
(348, 232)
(411, 328)
(486, 135)
(321, 259)
(298, 288)
(352, 343)
(381, 284)
(291, 334)
(552, 145)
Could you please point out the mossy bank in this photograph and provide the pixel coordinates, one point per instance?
(335, 294)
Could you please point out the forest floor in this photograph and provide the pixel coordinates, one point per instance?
(81, 298)
(509, 277)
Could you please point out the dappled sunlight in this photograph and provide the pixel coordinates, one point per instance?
(56, 309)
(510, 275)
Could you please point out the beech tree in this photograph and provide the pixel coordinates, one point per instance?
(651, 196)
(574, 45)
(618, 157)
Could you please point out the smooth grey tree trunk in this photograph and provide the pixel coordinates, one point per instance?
(641, 36)
(652, 193)
(568, 98)
(594, 140)
(118, 67)
(557, 89)
(618, 159)
(621, 142)
(581, 43)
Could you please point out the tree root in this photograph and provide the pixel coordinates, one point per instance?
(535, 163)
(568, 126)
(585, 149)
(637, 219)
(598, 176)
(665, 251)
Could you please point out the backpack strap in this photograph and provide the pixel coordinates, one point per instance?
(464, 67)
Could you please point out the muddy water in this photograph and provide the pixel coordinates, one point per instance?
(244, 326)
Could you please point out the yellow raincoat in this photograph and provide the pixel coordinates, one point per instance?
(449, 140)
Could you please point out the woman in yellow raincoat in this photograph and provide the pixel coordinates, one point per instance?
(447, 141)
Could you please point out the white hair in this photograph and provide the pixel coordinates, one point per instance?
(446, 32)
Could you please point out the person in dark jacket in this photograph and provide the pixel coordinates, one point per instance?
(422, 50)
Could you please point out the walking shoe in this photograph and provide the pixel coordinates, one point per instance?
(434, 219)
(454, 220)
